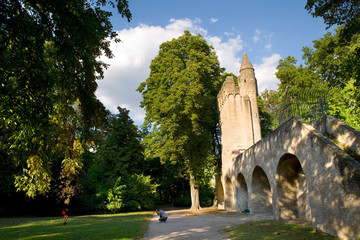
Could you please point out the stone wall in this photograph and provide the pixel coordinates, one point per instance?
(297, 172)
(342, 134)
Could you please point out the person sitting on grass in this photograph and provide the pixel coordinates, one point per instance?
(65, 214)
(162, 214)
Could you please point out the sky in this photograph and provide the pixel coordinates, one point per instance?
(267, 30)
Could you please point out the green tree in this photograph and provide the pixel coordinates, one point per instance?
(170, 178)
(266, 119)
(120, 154)
(50, 60)
(334, 12)
(133, 193)
(271, 104)
(331, 70)
(179, 98)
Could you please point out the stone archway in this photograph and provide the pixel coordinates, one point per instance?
(261, 198)
(229, 195)
(221, 197)
(291, 189)
(242, 193)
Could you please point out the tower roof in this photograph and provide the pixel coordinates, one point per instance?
(245, 64)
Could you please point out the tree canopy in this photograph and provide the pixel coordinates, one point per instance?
(179, 98)
(330, 70)
(334, 12)
(115, 176)
(49, 66)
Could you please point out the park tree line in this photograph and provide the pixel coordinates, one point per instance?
(60, 146)
(330, 71)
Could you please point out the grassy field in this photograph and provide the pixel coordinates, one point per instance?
(112, 226)
(274, 230)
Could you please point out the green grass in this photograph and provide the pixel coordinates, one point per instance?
(111, 226)
(274, 230)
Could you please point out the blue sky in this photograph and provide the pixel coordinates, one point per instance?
(266, 30)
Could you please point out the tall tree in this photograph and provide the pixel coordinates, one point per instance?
(49, 60)
(179, 98)
(331, 69)
(121, 153)
(335, 12)
(118, 156)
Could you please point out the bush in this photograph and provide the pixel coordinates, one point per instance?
(131, 194)
(115, 202)
(132, 206)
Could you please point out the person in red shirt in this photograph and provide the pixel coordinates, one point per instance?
(66, 215)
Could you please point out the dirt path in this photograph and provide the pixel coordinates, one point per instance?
(203, 224)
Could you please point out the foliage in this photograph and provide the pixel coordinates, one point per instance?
(131, 194)
(49, 64)
(110, 226)
(170, 178)
(344, 104)
(266, 119)
(179, 98)
(115, 177)
(271, 102)
(121, 153)
(140, 189)
(115, 197)
(345, 12)
(331, 71)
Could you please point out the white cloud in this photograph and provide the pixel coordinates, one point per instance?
(265, 73)
(268, 46)
(256, 36)
(213, 20)
(130, 66)
(227, 52)
(140, 45)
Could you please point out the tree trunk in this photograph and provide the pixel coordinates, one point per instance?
(194, 190)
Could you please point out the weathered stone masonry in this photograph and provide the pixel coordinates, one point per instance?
(295, 172)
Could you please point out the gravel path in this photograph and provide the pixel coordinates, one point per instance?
(203, 224)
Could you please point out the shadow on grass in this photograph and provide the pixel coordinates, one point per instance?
(111, 226)
(274, 230)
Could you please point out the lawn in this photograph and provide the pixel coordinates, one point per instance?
(111, 226)
(274, 230)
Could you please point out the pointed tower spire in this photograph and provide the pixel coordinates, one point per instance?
(247, 80)
(245, 64)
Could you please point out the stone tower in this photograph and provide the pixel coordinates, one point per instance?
(239, 114)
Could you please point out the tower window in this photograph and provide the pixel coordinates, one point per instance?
(244, 80)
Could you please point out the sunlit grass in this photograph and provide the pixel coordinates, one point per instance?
(112, 226)
(274, 230)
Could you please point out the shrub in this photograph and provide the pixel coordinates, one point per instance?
(132, 206)
(140, 189)
(131, 194)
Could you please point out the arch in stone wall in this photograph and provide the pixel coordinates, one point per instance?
(291, 189)
(242, 192)
(229, 194)
(261, 196)
(221, 196)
